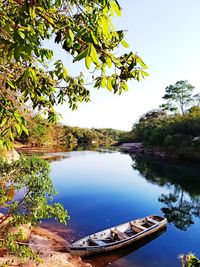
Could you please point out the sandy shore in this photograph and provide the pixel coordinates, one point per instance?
(53, 250)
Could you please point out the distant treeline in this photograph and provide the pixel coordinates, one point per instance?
(177, 133)
(173, 130)
(43, 133)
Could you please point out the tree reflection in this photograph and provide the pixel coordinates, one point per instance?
(196, 206)
(182, 204)
(177, 210)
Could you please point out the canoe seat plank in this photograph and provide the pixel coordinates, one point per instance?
(119, 234)
(97, 242)
(138, 226)
(152, 221)
(148, 222)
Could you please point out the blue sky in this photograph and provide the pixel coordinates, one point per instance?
(166, 34)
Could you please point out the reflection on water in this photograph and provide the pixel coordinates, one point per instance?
(116, 258)
(182, 204)
(102, 189)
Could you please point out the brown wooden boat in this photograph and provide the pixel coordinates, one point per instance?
(118, 236)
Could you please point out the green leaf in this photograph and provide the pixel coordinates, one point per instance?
(94, 38)
(58, 3)
(116, 8)
(80, 56)
(109, 62)
(17, 117)
(105, 27)
(11, 135)
(32, 74)
(18, 129)
(103, 82)
(109, 84)
(93, 54)
(32, 13)
(65, 73)
(16, 54)
(3, 121)
(24, 129)
(10, 84)
(88, 61)
(141, 62)
(1, 143)
(69, 38)
(71, 34)
(21, 34)
(124, 86)
(125, 44)
(144, 73)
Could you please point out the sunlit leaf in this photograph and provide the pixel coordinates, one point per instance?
(82, 55)
(115, 7)
(88, 61)
(3, 121)
(125, 44)
(109, 84)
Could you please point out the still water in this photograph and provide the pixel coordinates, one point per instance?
(101, 189)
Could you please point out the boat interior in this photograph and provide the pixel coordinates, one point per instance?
(120, 232)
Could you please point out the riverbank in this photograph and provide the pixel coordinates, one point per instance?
(138, 148)
(52, 249)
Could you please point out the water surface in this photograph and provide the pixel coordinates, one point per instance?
(101, 189)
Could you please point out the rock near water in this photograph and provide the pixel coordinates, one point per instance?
(10, 155)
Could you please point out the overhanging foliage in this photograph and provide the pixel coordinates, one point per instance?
(84, 29)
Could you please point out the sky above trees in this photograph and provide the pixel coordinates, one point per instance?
(166, 35)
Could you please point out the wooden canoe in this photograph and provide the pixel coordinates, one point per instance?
(118, 236)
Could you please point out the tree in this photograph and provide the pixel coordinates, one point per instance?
(178, 97)
(84, 30)
(152, 115)
(197, 100)
(26, 192)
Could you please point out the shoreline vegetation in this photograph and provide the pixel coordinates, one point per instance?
(173, 131)
(167, 136)
(43, 134)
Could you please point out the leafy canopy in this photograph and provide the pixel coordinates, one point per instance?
(178, 97)
(84, 30)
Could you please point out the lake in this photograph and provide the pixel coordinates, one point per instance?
(103, 188)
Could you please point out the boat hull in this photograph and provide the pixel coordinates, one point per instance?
(91, 250)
